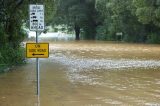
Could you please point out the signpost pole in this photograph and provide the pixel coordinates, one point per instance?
(36, 17)
(37, 69)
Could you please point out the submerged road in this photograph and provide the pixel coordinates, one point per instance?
(87, 73)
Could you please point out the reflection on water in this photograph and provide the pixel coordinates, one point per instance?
(87, 73)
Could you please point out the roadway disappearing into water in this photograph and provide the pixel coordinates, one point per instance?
(87, 73)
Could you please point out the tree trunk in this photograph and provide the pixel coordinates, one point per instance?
(77, 32)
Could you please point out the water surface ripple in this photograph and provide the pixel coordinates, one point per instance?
(85, 63)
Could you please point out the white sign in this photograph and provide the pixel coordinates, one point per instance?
(36, 15)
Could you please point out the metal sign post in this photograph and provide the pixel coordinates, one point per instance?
(37, 69)
(36, 16)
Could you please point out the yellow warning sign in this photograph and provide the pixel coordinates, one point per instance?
(37, 50)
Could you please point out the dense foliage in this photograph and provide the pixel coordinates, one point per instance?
(78, 15)
(137, 20)
(125, 20)
(11, 32)
(13, 16)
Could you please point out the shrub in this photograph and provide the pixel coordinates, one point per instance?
(154, 38)
(11, 56)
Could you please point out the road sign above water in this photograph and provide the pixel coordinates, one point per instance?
(36, 16)
(37, 50)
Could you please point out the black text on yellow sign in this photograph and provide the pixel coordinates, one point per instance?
(37, 50)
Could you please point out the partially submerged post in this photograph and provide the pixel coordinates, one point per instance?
(37, 50)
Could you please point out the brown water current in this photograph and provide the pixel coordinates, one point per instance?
(87, 73)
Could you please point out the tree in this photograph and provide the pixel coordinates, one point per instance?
(148, 13)
(78, 15)
(11, 13)
(117, 16)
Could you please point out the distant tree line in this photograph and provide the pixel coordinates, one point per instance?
(114, 20)
(125, 20)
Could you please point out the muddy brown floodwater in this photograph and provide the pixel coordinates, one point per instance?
(87, 73)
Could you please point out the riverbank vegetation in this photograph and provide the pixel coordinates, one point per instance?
(138, 20)
(11, 33)
(13, 16)
(111, 20)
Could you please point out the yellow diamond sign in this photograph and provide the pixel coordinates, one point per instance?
(37, 50)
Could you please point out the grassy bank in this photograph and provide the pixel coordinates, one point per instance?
(10, 56)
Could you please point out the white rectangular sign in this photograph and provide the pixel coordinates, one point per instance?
(36, 16)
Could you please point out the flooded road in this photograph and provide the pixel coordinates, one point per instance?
(87, 73)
